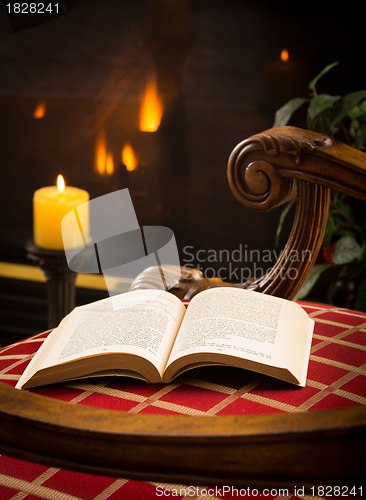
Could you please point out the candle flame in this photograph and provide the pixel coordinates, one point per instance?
(129, 158)
(60, 183)
(39, 110)
(151, 108)
(284, 55)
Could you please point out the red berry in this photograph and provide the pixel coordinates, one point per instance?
(327, 252)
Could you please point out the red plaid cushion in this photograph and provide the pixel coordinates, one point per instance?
(336, 378)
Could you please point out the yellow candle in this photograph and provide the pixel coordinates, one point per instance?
(50, 205)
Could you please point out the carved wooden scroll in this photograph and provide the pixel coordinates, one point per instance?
(270, 168)
(265, 171)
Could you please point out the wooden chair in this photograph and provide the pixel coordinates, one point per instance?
(265, 171)
(307, 449)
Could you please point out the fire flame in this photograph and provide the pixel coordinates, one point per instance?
(129, 158)
(104, 164)
(60, 183)
(100, 154)
(151, 108)
(284, 55)
(39, 110)
(109, 164)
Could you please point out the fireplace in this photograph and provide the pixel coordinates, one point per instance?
(153, 96)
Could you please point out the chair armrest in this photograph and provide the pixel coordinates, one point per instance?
(267, 170)
(264, 169)
(248, 451)
(270, 168)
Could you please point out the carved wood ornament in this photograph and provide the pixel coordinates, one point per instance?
(265, 171)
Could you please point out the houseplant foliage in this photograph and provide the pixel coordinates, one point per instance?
(344, 245)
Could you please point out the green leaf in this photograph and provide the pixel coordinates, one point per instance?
(343, 217)
(358, 130)
(346, 250)
(283, 215)
(320, 114)
(313, 277)
(329, 230)
(362, 107)
(320, 103)
(283, 115)
(345, 208)
(322, 123)
(348, 104)
(323, 72)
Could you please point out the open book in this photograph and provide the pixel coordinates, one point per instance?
(151, 335)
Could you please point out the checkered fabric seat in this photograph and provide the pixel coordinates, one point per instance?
(336, 379)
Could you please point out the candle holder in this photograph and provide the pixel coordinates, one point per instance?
(60, 281)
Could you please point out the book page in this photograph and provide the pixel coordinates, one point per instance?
(240, 323)
(143, 322)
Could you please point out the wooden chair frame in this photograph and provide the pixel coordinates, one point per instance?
(265, 171)
(282, 450)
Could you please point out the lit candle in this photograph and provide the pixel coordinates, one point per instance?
(50, 205)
